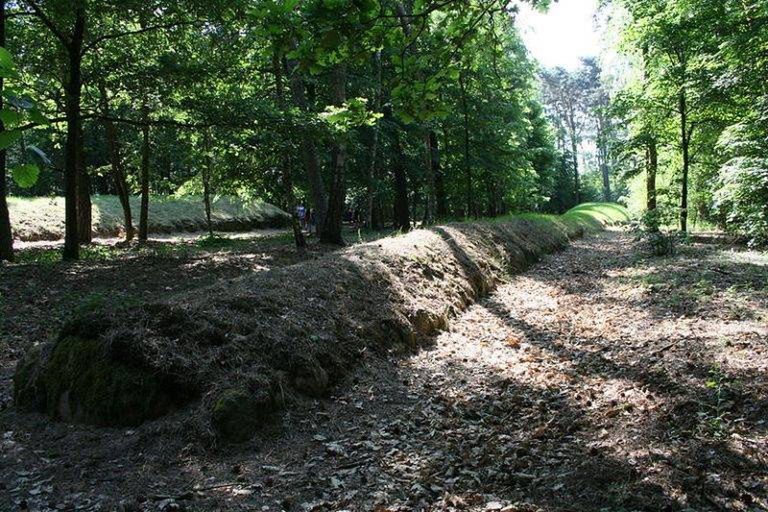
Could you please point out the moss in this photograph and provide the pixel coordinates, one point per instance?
(84, 384)
(311, 379)
(237, 414)
(29, 393)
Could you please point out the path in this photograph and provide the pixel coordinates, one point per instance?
(598, 381)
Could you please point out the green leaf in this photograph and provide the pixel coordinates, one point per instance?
(25, 175)
(37, 117)
(6, 59)
(9, 117)
(8, 137)
(7, 67)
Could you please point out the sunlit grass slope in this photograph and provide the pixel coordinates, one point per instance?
(42, 218)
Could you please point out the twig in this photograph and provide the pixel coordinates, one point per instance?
(665, 348)
(190, 492)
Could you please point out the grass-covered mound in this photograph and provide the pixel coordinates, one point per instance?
(236, 352)
(42, 218)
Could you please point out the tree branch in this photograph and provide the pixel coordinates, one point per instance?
(45, 20)
(116, 35)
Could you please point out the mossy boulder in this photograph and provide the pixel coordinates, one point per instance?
(236, 414)
(29, 392)
(78, 379)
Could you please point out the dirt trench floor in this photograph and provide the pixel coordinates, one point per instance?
(600, 380)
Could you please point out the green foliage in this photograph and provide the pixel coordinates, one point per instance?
(706, 52)
(8, 137)
(25, 175)
(352, 114)
(235, 90)
(652, 232)
(715, 412)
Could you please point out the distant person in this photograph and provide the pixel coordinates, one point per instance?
(306, 222)
(300, 212)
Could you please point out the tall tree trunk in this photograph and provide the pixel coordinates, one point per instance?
(74, 143)
(331, 231)
(685, 140)
(575, 161)
(602, 152)
(370, 191)
(441, 203)
(145, 149)
(84, 210)
(116, 161)
(606, 182)
(309, 149)
(469, 192)
(429, 204)
(401, 210)
(650, 178)
(6, 237)
(285, 166)
(206, 174)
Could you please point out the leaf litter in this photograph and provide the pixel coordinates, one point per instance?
(578, 385)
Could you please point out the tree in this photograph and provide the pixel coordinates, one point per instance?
(565, 96)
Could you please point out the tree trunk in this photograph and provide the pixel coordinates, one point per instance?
(331, 231)
(287, 175)
(401, 210)
(6, 237)
(441, 203)
(650, 178)
(377, 215)
(575, 157)
(308, 149)
(84, 210)
(144, 212)
(370, 191)
(116, 161)
(74, 142)
(602, 152)
(206, 174)
(469, 193)
(685, 139)
(430, 204)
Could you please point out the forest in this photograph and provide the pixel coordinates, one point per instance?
(398, 114)
(376, 255)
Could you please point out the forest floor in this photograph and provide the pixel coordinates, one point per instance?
(600, 380)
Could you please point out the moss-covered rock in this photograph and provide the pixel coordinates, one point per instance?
(79, 380)
(236, 414)
(29, 390)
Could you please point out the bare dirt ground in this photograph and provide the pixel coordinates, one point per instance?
(600, 380)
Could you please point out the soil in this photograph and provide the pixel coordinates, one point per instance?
(601, 379)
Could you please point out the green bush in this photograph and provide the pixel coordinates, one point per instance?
(742, 197)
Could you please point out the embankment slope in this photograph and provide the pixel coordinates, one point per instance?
(233, 354)
(42, 218)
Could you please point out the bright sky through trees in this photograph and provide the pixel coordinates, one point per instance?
(561, 35)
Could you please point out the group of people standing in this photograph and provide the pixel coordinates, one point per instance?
(306, 218)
